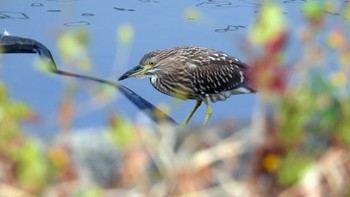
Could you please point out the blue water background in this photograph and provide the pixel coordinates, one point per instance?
(157, 24)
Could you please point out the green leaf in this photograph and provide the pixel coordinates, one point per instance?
(293, 168)
(313, 10)
(269, 23)
(31, 164)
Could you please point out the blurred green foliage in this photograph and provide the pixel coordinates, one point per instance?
(314, 10)
(293, 167)
(310, 113)
(122, 131)
(11, 113)
(89, 192)
(125, 34)
(30, 162)
(73, 47)
(24, 154)
(268, 25)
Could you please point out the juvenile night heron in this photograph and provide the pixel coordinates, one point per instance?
(195, 73)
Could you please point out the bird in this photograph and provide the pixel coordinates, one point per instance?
(199, 73)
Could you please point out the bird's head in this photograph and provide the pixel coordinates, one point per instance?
(152, 64)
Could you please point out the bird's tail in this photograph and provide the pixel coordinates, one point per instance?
(249, 82)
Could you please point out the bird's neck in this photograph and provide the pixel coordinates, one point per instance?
(153, 79)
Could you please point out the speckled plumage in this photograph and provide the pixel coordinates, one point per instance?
(196, 73)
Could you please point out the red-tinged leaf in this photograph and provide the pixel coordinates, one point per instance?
(276, 45)
(65, 114)
(269, 77)
(33, 117)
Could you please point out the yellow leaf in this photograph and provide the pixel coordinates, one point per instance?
(269, 23)
(271, 162)
(192, 14)
(125, 34)
(336, 39)
(339, 79)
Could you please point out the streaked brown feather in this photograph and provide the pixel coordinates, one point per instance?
(196, 73)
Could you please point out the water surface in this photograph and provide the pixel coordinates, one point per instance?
(156, 24)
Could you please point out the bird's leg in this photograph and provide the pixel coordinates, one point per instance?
(208, 112)
(198, 103)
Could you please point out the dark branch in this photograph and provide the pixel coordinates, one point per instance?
(15, 44)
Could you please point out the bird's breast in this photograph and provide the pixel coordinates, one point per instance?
(170, 85)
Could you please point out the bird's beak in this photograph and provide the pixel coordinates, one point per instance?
(137, 71)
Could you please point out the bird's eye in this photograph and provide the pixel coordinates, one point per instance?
(151, 63)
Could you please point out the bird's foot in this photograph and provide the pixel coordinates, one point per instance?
(208, 112)
(182, 125)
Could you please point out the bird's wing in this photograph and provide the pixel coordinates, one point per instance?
(218, 74)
